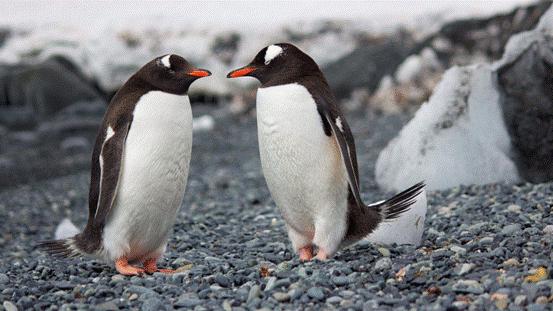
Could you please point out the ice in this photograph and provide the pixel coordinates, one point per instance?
(66, 229)
(407, 229)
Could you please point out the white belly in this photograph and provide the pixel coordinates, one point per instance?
(302, 166)
(153, 178)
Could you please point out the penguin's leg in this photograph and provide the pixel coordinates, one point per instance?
(122, 266)
(329, 233)
(301, 243)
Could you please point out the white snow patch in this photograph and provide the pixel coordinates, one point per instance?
(65, 229)
(203, 123)
(272, 52)
(458, 137)
(406, 229)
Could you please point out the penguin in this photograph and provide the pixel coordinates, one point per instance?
(139, 169)
(308, 156)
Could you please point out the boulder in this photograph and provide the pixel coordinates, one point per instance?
(30, 93)
(365, 66)
(483, 124)
(526, 85)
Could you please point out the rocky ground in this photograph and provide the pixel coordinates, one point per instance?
(484, 246)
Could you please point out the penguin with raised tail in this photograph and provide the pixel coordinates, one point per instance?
(139, 169)
(308, 155)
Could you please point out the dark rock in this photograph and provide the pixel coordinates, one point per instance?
(30, 93)
(528, 110)
(367, 65)
(4, 35)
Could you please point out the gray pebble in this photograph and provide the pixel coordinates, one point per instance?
(383, 264)
(316, 293)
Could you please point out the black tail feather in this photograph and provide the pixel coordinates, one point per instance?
(60, 248)
(400, 203)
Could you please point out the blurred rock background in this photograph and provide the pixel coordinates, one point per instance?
(55, 82)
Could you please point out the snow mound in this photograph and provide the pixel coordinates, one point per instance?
(457, 137)
(66, 229)
(407, 229)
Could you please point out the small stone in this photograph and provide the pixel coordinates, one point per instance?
(384, 251)
(227, 306)
(511, 262)
(340, 280)
(520, 300)
(535, 307)
(316, 293)
(152, 304)
(270, 283)
(486, 241)
(513, 208)
(511, 229)
(185, 302)
(466, 268)
(468, 286)
(501, 300)
(542, 300)
(548, 229)
(255, 292)
(281, 297)
(222, 280)
(333, 299)
(133, 297)
(458, 250)
(9, 306)
(107, 306)
(383, 264)
(4, 279)
(118, 277)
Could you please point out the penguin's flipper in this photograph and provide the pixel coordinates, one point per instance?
(109, 166)
(344, 138)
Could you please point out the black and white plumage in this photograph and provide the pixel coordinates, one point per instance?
(308, 155)
(139, 168)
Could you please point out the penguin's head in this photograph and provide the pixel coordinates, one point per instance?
(278, 62)
(170, 73)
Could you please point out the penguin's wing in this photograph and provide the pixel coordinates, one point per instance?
(344, 138)
(106, 168)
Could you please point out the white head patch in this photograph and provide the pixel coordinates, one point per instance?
(272, 52)
(166, 61)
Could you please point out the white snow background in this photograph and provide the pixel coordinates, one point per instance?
(93, 33)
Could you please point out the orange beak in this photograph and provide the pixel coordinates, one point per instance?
(200, 73)
(240, 72)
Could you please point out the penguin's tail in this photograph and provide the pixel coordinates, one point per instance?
(399, 203)
(65, 243)
(66, 248)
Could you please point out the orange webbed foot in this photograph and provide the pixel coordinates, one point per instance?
(122, 266)
(306, 253)
(150, 266)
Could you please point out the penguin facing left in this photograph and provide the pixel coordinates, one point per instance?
(308, 155)
(139, 169)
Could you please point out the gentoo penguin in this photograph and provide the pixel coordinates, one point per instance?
(139, 169)
(308, 155)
